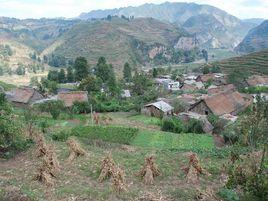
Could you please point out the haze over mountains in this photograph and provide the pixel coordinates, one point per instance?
(138, 39)
(255, 40)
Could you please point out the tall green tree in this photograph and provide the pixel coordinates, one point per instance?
(53, 76)
(112, 83)
(127, 72)
(81, 68)
(62, 76)
(155, 72)
(70, 74)
(103, 69)
(90, 84)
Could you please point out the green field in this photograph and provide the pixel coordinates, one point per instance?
(165, 140)
(146, 120)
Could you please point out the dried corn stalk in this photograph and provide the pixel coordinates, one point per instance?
(118, 177)
(149, 170)
(107, 167)
(75, 150)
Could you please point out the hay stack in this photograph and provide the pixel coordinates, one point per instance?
(149, 170)
(42, 148)
(194, 169)
(75, 150)
(118, 180)
(50, 167)
(206, 195)
(107, 167)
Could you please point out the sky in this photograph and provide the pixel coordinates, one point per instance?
(72, 8)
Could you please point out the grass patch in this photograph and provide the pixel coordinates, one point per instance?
(6, 86)
(146, 120)
(165, 140)
(113, 134)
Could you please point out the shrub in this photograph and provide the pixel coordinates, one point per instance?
(81, 107)
(113, 134)
(52, 107)
(172, 124)
(11, 139)
(228, 194)
(194, 126)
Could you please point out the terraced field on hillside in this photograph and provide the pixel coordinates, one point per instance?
(255, 63)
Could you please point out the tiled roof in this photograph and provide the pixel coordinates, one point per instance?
(221, 88)
(70, 97)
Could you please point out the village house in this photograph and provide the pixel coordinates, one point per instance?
(168, 84)
(206, 125)
(188, 87)
(158, 109)
(216, 78)
(229, 102)
(24, 96)
(257, 80)
(213, 89)
(69, 98)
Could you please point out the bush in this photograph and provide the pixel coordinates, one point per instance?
(172, 124)
(52, 107)
(228, 194)
(113, 134)
(81, 107)
(11, 139)
(194, 126)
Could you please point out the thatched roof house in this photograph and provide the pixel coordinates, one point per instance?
(24, 96)
(230, 102)
(222, 88)
(69, 98)
(257, 80)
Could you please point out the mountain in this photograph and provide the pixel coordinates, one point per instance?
(138, 41)
(255, 40)
(189, 16)
(35, 33)
(256, 21)
(254, 63)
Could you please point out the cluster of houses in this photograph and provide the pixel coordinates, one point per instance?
(222, 99)
(26, 96)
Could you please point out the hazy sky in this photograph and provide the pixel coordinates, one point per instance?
(72, 8)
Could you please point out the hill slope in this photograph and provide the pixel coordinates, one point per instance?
(254, 63)
(179, 13)
(138, 41)
(255, 40)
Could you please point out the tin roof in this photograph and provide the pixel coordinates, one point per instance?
(161, 105)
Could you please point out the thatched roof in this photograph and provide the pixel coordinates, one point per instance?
(257, 80)
(227, 102)
(22, 94)
(70, 97)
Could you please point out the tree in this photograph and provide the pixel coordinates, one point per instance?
(53, 76)
(30, 120)
(102, 69)
(206, 70)
(140, 83)
(127, 72)
(10, 129)
(53, 107)
(155, 72)
(20, 70)
(205, 54)
(61, 76)
(1, 71)
(111, 83)
(70, 74)
(90, 84)
(81, 68)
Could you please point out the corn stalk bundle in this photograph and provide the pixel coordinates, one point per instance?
(149, 170)
(75, 150)
(107, 168)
